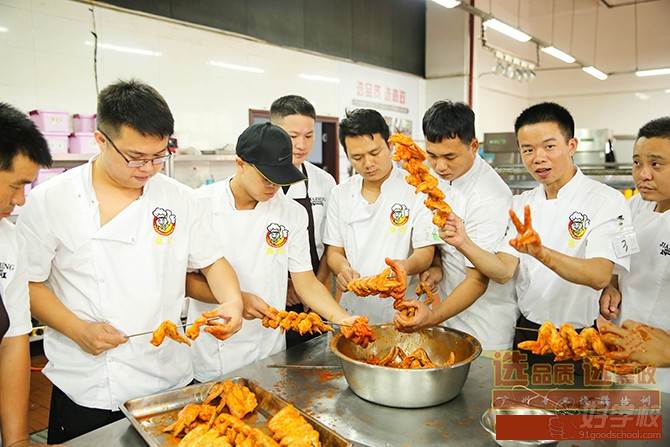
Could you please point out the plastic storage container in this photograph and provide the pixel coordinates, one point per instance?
(58, 142)
(51, 122)
(83, 123)
(83, 143)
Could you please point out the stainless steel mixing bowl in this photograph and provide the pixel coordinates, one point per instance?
(408, 388)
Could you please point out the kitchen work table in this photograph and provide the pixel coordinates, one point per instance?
(323, 393)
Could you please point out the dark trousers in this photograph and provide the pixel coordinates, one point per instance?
(67, 420)
(524, 335)
(292, 337)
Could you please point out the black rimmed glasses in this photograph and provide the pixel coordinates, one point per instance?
(138, 163)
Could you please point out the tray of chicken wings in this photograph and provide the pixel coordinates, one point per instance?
(231, 413)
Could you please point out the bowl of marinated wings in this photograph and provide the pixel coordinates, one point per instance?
(416, 370)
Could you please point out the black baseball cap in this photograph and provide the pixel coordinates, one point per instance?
(269, 149)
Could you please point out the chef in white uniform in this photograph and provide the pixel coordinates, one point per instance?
(643, 293)
(481, 198)
(109, 244)
(22, 151)
(580, 223)
(297, 117)
(373, 215)
(265, 238)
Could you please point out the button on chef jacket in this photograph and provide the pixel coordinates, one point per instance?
(482, 199)
(645, 289)
(583, 221)
(392, 226)
(262, 245)
(14, 280)
(320, 186)
(130, 272)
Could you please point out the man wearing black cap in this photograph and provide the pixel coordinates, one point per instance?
(265, 238)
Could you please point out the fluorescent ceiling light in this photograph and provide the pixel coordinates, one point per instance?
(667, 90)
(655, 72)
(507, 30)
(448, 3)
(236, 67)
(313, 77)
(558, 54)
(593, 71)
(3, 29)
(642, 96)
(122, 49)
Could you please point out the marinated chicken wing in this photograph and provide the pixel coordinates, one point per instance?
(397, 358)
(359, 332)
(412, 156)
(588, 344)
(392, 282)
(239, 399)
(167, 329)
(292, 430)
(185, 418)
(303, 323)
(193, 331)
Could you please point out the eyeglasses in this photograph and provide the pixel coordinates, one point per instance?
(138, 163)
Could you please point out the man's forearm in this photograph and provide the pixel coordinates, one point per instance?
(462, 297)
(15, 386)
(315, 295)
(47, 308)
(197, 288)
(593, 272)
(498, 267)
(222, 281)
(336, 261)
(420, 260)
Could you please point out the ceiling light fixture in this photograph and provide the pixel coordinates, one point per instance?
(558, 54)
(313, 77)
(593, 71)
(122, 49)
(654, 72)
(448, 3)
(236, 67)
(507, 30)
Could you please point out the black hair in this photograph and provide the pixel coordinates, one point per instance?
(291, 105)
(363, 122)
(134, 104)
(447, 120)
(658, 128)
(18, 135)
(547, 112)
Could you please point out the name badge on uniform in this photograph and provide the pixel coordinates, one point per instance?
(625, 244)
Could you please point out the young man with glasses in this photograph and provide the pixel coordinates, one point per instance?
(109, 244)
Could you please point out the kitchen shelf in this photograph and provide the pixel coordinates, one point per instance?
(71, 157)
(204, 158)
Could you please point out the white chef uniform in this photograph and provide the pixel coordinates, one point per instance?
(395, 224)
(482, 199)
(131, 272)
(262, 245)
(584, 221)
(321, 185)
(14, 280)
(645, 289)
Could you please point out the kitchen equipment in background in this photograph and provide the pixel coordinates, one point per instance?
(57, 142)
(45, 174)
(408, 388)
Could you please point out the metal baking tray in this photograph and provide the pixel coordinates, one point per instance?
(150, 414)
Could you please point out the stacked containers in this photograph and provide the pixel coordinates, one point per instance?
(55, 126)
(82, 140)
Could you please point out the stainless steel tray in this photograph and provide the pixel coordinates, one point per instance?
(150, 414)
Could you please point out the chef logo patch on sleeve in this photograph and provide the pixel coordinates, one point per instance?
(399, 214)
(578, 224)
(164, 221)
(276, 236)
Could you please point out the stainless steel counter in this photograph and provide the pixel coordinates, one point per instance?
(324, 393)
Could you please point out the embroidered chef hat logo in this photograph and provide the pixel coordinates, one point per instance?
(399, 214)
(276, 236)
(164, 221)
(578, 224)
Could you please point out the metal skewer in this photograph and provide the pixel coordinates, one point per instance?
(177, 325)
